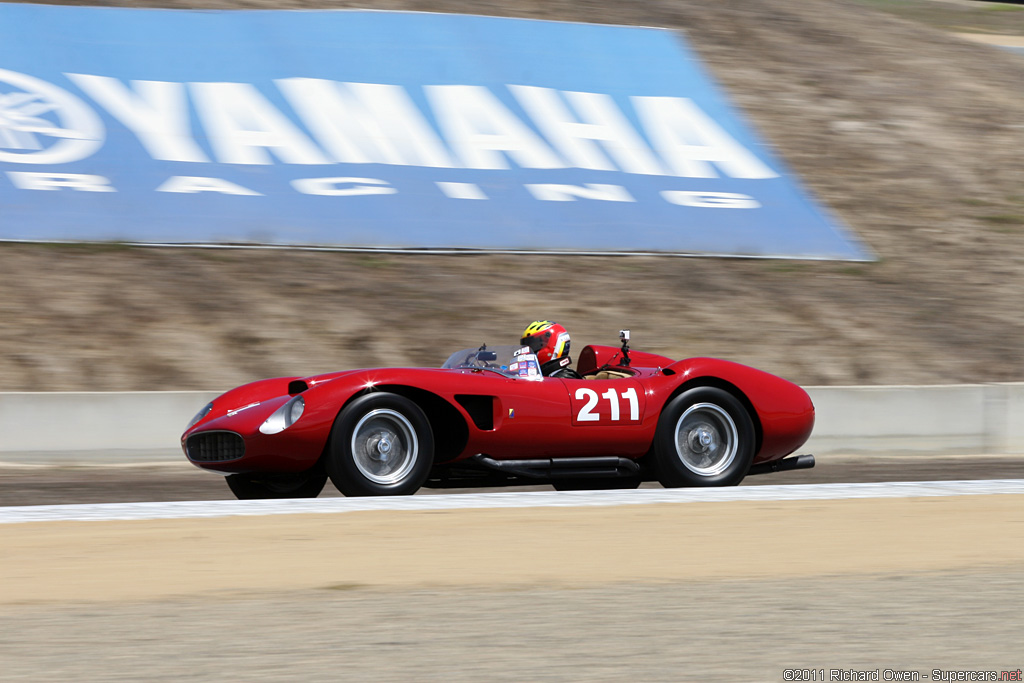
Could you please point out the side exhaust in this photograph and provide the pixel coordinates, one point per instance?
(799, 462)
(561, 468)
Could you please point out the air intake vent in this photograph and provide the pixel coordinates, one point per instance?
(480, 409)
(215, 447)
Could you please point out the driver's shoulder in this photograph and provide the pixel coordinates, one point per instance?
(566, 373)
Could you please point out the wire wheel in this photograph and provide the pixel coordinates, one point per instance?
(384, 446)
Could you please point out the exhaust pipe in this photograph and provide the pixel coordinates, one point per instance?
(799, 462)
(561, 468)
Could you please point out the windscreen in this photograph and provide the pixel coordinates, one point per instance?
(507, 360)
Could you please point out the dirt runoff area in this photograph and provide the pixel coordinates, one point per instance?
(910, 135)
(699, 591)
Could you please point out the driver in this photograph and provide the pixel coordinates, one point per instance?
(550, 341)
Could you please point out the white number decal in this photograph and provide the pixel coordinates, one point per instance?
(585, 414)
(634, 403)
(613, 401)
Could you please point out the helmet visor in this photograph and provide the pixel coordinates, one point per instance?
(536, 342)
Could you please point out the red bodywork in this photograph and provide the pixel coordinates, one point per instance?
(475, 411)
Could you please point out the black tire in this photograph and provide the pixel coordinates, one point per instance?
(597, 484)
(705, 437)
(381, 445)
(253, 486)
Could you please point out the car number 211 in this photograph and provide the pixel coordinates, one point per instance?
(592, 399)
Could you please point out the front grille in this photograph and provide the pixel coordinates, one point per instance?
(215, 447)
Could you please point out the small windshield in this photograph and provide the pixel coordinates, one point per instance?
(497, 358)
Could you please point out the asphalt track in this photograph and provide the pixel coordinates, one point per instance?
(54, 479)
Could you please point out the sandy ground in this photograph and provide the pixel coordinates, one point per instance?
(993, 39)
(745, 630)
(676, 592)
(114, 561)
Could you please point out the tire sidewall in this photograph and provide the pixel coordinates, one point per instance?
(261, 486)
(672, 472)
(341, 466)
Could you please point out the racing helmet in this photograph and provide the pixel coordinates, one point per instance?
(549, 340)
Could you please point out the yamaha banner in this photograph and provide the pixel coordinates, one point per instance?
(382, 130)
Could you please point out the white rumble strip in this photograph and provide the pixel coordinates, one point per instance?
(504, 499)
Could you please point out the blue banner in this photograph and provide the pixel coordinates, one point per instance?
(382, 129)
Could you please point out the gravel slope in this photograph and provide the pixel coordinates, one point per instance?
(911, 136)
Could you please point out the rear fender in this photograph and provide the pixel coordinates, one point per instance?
(782, 412)
(595, 356)
(719, 383)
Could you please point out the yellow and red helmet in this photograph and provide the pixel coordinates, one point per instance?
(550, 341)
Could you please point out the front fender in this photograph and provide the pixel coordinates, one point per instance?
(243, 410)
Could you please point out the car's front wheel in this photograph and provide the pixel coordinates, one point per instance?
(705, 437)
(252, 486)
(381, 445)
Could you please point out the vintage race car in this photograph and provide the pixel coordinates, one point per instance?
(487, 417)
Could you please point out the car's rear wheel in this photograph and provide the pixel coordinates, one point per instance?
(253, 486)
(705, 437)
(381, 445)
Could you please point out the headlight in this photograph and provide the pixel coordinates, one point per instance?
(284, 417)
(199, 416)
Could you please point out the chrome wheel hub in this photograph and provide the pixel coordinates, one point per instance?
(701, 439)
(384, 446)
(706, 439)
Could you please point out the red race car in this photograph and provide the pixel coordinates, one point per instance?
(489, 417)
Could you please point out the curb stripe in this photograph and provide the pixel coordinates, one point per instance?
(505, 499)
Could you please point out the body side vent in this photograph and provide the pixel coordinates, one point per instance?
(480, 409)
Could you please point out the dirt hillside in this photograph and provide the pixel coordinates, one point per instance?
(913, 137)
